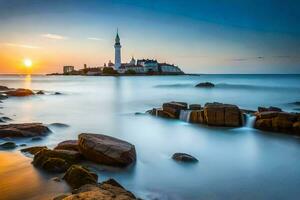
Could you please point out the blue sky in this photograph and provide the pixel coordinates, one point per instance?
(212, 36)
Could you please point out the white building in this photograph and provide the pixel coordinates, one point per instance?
(117, 52)
(167, 68)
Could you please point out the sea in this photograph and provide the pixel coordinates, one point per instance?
(234, 163)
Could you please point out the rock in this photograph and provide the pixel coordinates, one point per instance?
(23, 130)
(104, 191)
(174, 108)
(61, 197)
(3, 97)
(183, 157)
(37, 138)
(56, 179)
(57, 93)
(57, 165)
(195, 107)
(271, 108)
(218, 114)
(55, 160)
(19, 92)
(205, 85)
(3, 88)
(60, 125)
(33, 150)
(8, 145)
(113, 182)
(68, 145)
(197, 116)
(106, 150)
(77, 176)
(41, 92)
(296, 128)
(23, 145)
(6, 118)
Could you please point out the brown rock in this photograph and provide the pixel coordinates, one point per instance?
(263, 124)
(33, 150)
(195, 107)
(77, 176)
(106, 150)
(174, 108)
(296, 128)
(55, 165)
(270, 109)
(267, 114)
(23, 130)
(20, 92)
(183, 157)
(3, 88)
(217, 114)
(68, 145)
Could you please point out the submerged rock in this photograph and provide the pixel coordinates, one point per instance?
(106, 150)
(3, 97)
(68, 145)
(57, 93)
(23, 130)
(20, 92)
(60, 125)
(183, 157)
(37, 138)
(77, 176)
(8, 145)
(205, 85)
(40, 92)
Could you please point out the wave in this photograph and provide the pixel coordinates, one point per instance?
(174, 85)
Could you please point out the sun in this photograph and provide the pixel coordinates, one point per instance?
(27, 62)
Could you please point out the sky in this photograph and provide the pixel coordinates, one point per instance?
(200, 36)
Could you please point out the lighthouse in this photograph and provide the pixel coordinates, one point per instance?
(117, 52)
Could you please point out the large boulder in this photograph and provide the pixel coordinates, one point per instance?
(55, 160)
(20, 92)
(68, 145)
(205, 85)
(218, 114)
(270, 109)
(23, 130)
(77, 176)
(106, 150)
(8, 145)
(277, 121)
(174, 108)
(197, 116)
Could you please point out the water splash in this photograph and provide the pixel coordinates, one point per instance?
(250, 120)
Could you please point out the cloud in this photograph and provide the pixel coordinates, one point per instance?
(22, 45)
(54, 36)
(94, 38)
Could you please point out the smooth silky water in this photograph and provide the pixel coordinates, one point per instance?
(234, 163)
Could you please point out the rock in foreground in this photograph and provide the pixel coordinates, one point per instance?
(68, 145)
(183, 157)
(106, 150)
(23, 130)
(33, 150)
(77, 176)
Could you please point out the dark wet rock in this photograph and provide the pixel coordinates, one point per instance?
(296, 103)
(33, 150)
(60, 125)
(55, 160)
(106, 150)
(276, 121)
(6, 118)
(23, 145)
(2, 121)
(173, 108)
(3, 88)
(41, 92)
(57, 93)
(23, 130)
(20, 92)
(3, 97)
(37, 138)
(205, 85)
(77, 176)
(183, 157)
(195, 107)
(270, 109)
(138, 113)
(55, 165)
(218, 114)
(8, 145)
(68, 145)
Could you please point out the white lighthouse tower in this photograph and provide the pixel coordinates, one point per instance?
(117, 52)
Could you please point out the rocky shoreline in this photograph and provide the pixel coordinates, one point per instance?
(271, 119)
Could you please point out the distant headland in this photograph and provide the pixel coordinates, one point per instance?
(133, 67)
